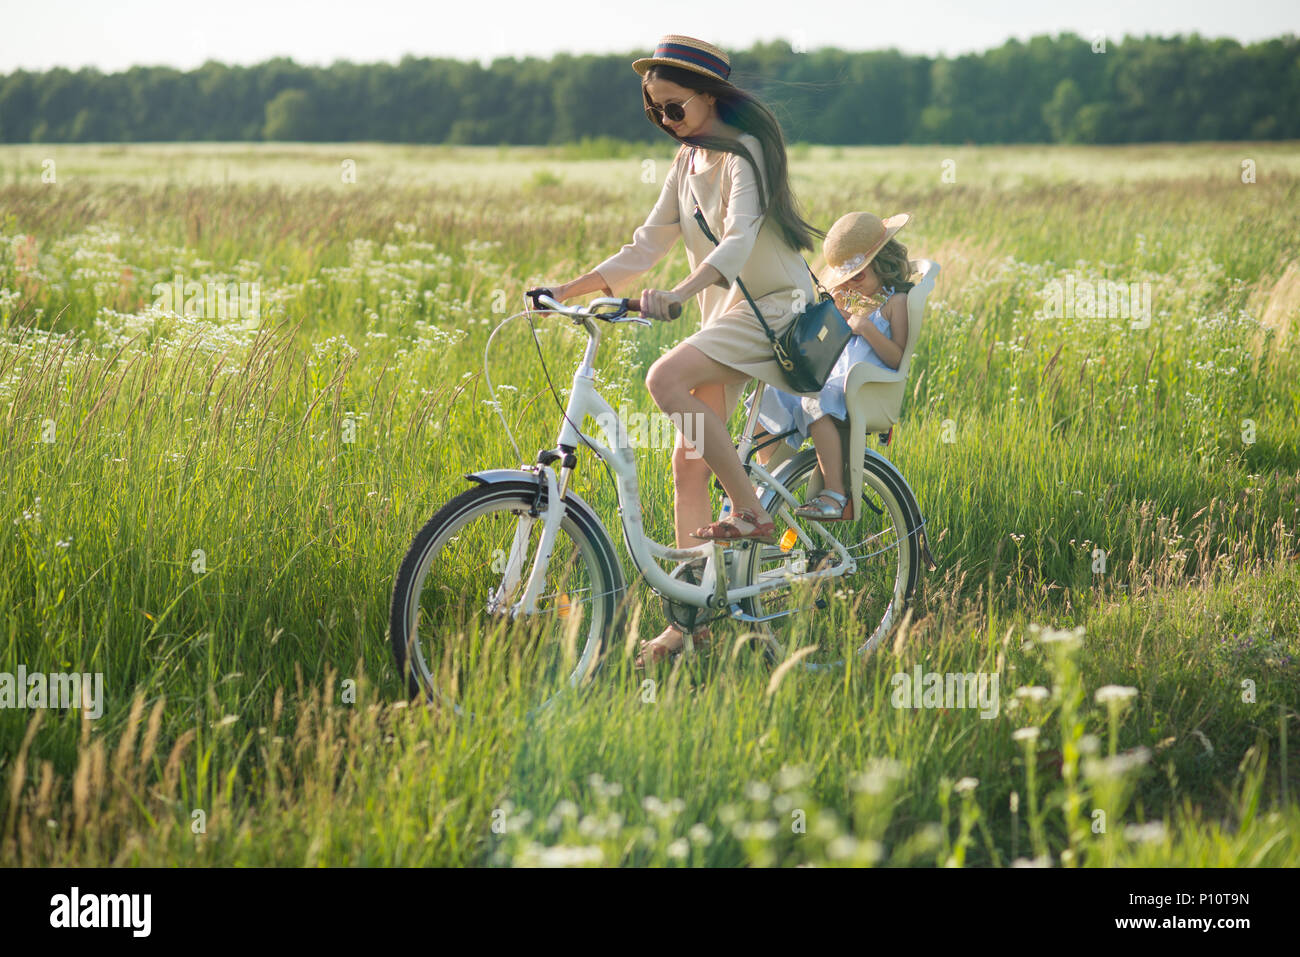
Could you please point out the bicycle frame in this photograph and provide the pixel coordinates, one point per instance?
(616, 451)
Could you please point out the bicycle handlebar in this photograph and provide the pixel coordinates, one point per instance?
(542, 299)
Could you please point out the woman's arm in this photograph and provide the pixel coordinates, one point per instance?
(658, 303)
(653, 239)
(587, 282)
(890, 350)
(704, 276)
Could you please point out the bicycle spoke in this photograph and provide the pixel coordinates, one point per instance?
(853, 610)
(470, 636)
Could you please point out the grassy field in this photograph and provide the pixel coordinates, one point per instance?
(184, 515)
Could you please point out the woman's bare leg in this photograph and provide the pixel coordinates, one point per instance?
(671, 381)
(691, 505)
(689, 384)
(691, 509)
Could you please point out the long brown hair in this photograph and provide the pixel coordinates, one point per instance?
(746, 112)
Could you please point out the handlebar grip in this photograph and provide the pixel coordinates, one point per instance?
(674, 310)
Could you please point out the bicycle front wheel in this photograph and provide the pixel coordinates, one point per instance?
(451, 627)
(849, 615)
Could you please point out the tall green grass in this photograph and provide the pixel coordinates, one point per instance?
(158, 444)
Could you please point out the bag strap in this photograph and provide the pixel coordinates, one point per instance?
(699, 217)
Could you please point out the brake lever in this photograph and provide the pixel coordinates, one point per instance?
(617, 318)
(621, 315)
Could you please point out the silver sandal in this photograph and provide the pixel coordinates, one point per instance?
(820, 509)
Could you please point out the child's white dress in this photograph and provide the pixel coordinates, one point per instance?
(780, 411)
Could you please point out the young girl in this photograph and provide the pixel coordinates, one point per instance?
(866, 268)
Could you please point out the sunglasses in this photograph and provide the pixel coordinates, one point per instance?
(673, 111)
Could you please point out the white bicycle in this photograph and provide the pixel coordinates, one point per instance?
(519, 574)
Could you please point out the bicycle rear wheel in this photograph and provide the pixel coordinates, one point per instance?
(452, 635)
(844, 616)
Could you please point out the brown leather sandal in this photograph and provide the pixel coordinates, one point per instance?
(726, 529)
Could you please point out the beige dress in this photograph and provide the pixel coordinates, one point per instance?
(749, 246)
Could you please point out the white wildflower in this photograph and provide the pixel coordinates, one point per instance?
(1033, 693)
(1116, 693)
(1149, 833)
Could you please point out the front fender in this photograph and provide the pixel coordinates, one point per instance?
(572, 499)
(493, 476)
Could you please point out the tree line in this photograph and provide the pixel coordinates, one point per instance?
(1062, 89)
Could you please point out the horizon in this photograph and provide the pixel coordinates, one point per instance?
(512, 58)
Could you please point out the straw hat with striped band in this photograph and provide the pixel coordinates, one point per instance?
(689, 54)
(854, 241)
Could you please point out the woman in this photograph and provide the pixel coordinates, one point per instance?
(732, 161)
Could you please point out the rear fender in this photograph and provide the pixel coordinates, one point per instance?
(909, 501)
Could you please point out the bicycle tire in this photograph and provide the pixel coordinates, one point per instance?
(580, 525)
(879, 480)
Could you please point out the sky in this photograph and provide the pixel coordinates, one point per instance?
(116, 34)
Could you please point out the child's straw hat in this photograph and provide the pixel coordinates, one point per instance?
(854, 241)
